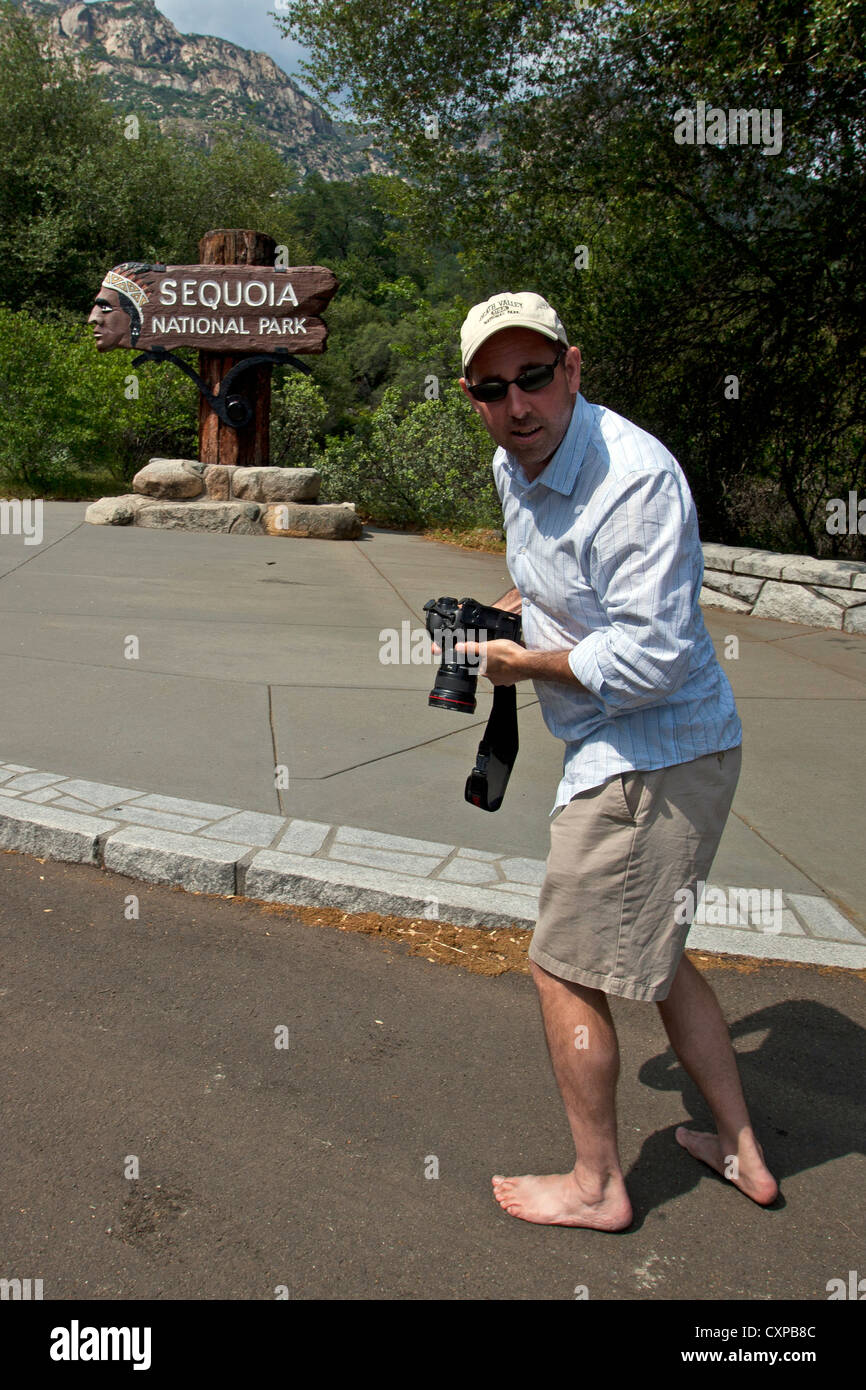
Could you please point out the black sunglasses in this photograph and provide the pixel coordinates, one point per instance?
(534, 379)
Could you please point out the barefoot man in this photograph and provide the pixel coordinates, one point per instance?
(604, 551)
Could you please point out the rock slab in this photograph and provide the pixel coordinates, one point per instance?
(336, 521)
(276, 484)
(169, 478)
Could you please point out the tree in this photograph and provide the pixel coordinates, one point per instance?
(76, 423)
(555, 131)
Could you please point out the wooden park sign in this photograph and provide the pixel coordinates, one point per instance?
(240, 309)
(241, 312)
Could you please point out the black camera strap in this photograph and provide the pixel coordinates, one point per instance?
(486, 783)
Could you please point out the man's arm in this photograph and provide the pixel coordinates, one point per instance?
(545, 666)
(645, 565)
(647, 594)
(506, 663)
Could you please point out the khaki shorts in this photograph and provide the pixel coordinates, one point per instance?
(618, 855)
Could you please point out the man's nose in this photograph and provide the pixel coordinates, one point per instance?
(517, 401)
(95, 315)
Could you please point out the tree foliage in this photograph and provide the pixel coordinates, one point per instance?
(555, 130)
(298, 413)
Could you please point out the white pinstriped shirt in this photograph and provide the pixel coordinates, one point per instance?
(603, 548)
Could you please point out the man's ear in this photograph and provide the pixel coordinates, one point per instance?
(470, 398)
(571, 363)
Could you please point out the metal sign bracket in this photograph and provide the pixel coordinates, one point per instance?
(231, 407)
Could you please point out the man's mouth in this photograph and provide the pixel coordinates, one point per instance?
(526, 434)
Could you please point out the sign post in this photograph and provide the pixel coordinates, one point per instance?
(218, 442)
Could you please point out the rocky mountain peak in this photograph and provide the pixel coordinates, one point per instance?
(197, 81)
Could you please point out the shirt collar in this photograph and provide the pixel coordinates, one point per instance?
(560, 473)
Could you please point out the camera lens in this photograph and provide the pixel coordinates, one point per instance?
(454, 688)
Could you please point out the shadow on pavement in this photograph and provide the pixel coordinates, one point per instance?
(803, 1081)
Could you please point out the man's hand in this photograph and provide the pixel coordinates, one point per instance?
(500, 661)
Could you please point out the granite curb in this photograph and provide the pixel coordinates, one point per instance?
(204, 847)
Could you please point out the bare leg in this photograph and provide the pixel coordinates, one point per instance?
(583, 1049)
(699, 1036)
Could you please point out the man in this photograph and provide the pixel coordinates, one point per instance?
(604, 551)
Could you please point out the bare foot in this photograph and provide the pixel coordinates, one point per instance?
(559, 1200)
(742, 1164)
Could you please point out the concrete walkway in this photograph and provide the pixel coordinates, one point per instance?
(153, 681)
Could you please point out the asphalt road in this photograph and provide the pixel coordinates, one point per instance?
(304, 1165)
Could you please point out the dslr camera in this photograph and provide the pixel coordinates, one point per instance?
(451, 620)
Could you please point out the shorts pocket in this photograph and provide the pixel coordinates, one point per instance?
(631, 785)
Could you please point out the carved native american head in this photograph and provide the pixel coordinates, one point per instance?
(117, 310)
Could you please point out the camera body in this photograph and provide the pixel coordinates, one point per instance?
(451, 620)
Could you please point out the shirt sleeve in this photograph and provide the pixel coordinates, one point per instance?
(645, 567)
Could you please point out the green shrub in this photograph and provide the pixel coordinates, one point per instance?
(70, 423)
(429, 467)
(298, 413)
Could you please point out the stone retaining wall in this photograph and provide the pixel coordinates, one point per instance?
(793, 588)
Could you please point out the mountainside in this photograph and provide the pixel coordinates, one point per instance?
(194, 81)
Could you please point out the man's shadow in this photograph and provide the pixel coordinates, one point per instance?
(803, 1084)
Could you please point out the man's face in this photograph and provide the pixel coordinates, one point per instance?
(530, 425)
(111, 323)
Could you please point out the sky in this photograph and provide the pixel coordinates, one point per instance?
(249, 25)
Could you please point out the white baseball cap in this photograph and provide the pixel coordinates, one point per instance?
(507, 310)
